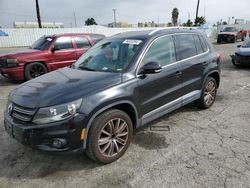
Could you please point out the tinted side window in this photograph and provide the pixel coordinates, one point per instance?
(185, 46)
(63, 43)
(203, 44)
(81, 42)
(162, 51)
(198, 44)
(97, 38)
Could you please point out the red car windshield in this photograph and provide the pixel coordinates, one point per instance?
(43, 43)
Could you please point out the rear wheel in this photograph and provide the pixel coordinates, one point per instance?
(34, 70)
(208, 94)
(110, 136)
(234, 40)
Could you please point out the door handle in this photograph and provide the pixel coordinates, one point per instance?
(178, 73)
(205, 63)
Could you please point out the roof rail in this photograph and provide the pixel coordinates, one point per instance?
(166, 28)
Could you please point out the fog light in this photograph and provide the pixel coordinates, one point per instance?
(59, 142)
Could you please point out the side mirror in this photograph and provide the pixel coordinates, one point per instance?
(53, 49)
(238, 46)
(151, 68)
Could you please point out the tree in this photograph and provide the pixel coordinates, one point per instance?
(90, 21)
(175, 14)
(38, 15)
(189, 23)
(200, 21)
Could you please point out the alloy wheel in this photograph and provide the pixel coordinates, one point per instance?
(113, 137)
(210, 92)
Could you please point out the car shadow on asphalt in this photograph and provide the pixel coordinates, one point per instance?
(9, 82)
(24, 162)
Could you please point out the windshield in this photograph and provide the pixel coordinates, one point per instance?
(109, 56)
(43, 43)
(230, 29)
(246, 44)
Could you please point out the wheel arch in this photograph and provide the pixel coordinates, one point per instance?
(30, 62)
(215, 75)
(126, 106)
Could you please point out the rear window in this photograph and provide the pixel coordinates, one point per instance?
(203, 44)
(198, 44)
(97, 38)
(81, 42)
(185, 46)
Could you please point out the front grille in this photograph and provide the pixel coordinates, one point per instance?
(3, 63)
(23, 113)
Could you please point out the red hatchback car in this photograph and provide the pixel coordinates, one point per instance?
(47, 54)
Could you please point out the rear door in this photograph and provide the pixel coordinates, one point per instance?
(64, 53)
(160, 92)
(193, 58)
(82, 45)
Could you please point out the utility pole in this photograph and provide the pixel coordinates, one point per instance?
(38, 15)
(197, 10)
(75, 19)
(114, 17)
(158, 21)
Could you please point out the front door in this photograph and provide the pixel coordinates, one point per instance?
(64, 53)
(159, 93)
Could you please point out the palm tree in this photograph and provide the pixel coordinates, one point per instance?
(38, 15)
(175, 14)
(197, 10)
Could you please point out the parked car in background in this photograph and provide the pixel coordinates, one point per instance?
(47, 54)
(122, 83)
(242, 55)
(231, 34)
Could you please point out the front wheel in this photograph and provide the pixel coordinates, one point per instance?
(208, 95)
(34, 70)
(110, 136)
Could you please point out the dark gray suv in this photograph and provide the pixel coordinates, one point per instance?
(121, 83)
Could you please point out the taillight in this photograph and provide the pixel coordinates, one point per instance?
(218, 57)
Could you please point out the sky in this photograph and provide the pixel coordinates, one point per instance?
(131, 11)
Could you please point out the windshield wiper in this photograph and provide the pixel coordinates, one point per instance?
(86, 68)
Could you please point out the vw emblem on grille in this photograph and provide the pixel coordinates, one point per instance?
(10, 108)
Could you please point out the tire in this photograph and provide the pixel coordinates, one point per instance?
(218, 41)
(234, 40)
(34, 70)
(236, 65)
(104, 143)
(208, 94)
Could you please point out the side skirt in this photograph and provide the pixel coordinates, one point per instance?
(169, 107)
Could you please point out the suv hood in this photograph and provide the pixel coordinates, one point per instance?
(20, 53)
(227, 33)
(243, 51)
(62, 86)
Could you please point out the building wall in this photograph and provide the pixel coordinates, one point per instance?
(27, 36)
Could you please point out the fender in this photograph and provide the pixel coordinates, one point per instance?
(102, 110)
(205, 78)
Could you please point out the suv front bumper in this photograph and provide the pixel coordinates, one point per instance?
(16, 73)
(42, 137)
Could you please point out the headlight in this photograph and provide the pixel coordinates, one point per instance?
(57, 113)
(11, 61)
